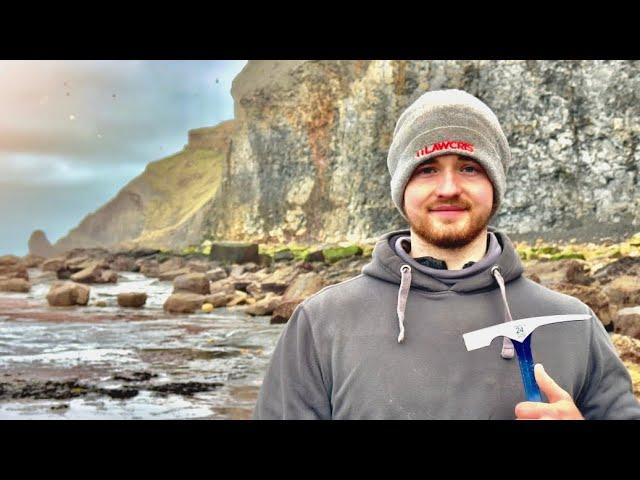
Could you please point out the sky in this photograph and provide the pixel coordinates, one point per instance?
(73, 133)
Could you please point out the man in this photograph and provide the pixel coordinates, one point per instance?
(388, 343)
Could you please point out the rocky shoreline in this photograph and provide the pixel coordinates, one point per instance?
(270, 282)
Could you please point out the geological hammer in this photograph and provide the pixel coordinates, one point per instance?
(520, 332)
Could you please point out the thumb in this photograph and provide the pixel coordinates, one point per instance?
(549, 387)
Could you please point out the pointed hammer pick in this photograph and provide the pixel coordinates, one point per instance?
(520, 332)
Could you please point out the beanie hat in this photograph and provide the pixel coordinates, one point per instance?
(448, 122)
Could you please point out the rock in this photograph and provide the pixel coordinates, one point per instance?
(53, 264)
(254, 290)
(19, 285)
(192, 282)
(95, 273)
(173, 274)
(276, 287)
(234, 252)
(216, 274)
(225, 285)
(314, 256)
(624, 291)
(172, 264)
(266, 306)
(305, 285)
(283, 311)
(534, 277)
(239, 298)
(144, 252)
(265, 260)
(628, 348)
(251, 267)
(334, 254)
(12, 267)
(124, 264)
(219, 299)
(627, 322)
(148, 267)
(132, 299)
(65, 294)
(622, 266)
(100, 303)
(207, 307)
(40, 245)
(565, 271)
(591, 296)
(236, 271)
(199, 266)
(283, 255)
(33, 261)
(184, 303)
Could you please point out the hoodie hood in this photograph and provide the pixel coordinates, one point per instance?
(504, 267)
(386, 265)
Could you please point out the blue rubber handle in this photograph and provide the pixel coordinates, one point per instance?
(525, 360)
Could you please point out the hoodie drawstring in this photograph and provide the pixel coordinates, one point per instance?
(403, 293)
(507, 344)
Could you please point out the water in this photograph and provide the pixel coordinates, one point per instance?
(93, 344)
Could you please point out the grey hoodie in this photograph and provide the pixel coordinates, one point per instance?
(387, 344)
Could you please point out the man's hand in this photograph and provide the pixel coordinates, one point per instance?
(560, 406)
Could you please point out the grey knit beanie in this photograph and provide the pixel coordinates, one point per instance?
(445, 122)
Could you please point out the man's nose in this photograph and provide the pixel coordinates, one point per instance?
(448, 185)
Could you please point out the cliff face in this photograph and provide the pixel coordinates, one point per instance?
(307, 160)
(163, 207)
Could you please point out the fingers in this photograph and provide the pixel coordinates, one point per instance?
(548, 386)
(534, 411)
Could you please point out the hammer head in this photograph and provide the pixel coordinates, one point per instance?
(516, 330)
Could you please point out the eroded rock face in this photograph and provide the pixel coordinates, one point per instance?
(305, 159)
(39, 245)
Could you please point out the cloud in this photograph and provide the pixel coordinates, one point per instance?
(110, 111)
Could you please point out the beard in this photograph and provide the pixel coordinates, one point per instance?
(449, 234)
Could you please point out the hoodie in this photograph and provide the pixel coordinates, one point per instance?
(387, 344)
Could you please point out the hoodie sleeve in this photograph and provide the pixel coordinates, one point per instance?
(608, 391)
(293, 386)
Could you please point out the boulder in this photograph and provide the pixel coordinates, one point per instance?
(239, 298)
(566, 271)
(53, 264)
(216, 274)
(283, 311)
(283, 255)
(33, 261)
(124, 264)
(592, 296)
(65, 294)
(132, 299)
(624, 291)
(219, 299)
(304, 285)
(627, 322)
(173, 274)
(95, 272)
(314, 256)
(200, 266)
(234, 252)
(13, 267)
(184, 303)
(192, 282)
(18, 285)
(266, 306)
(622, 266)
(173, 263)
(148, 267)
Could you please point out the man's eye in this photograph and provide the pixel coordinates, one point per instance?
(473, 169)
(424, 169)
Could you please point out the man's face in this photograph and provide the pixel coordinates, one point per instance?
(444, 182)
